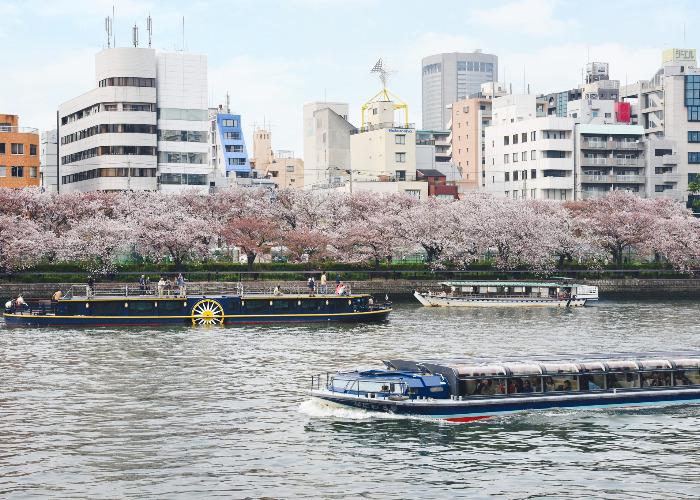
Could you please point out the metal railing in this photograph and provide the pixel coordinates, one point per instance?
(20, 130)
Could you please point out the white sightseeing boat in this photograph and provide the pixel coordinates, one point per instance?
(508, 294)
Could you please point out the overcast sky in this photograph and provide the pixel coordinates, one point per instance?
(273, 56)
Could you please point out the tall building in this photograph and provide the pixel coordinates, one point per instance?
(326, 143)
(144, 126)
(19, 154)
(49, 161)
(668, 108)
(450, 77)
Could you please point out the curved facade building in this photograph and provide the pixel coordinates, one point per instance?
(144, 126)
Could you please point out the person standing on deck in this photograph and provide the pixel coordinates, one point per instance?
(161, 286)
(324, 287)
(312, 286)
(90, 290)
(142, 284)
(180, 281)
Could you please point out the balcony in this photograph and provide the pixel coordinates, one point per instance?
(594, 195)
(612, 179)
(603, 145)
(612, 162)
(18, 130)
(669, 159)
(379, 126)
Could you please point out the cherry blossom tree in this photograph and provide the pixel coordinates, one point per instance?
(254, 235)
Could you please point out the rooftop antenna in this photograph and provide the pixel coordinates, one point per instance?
(183, 33)
(108, 30)
(383, 72)
(149, 28)
(114, 37)
(384, 95)
(228, 102)
(135, 35)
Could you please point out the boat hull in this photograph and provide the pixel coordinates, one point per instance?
(48, 320)
(468, 411)
(439, 301)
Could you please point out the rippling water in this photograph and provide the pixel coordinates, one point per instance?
(195, 412)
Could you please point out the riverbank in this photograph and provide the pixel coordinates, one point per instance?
(395, 288)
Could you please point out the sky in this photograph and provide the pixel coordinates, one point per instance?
(272, 56)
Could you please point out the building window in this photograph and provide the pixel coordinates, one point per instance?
(515, 175)
(236, 161)
(233, 148)
(17, 149)
(533, 155)
(523, 137)
(515, 157)
(290, 168)
(608, 115)
(532, 194)
(32, 149)
(17, 171)
(693, 157)
(694, 113)
(400, 157)
(415, 193)
(506, 140)
(693, 136)
(507, 174)
(2, 148)
(32, 172)
(398, 138)
(515, 138)
(533, 135)
(533, 173)
(3, 171)
(236, 136)
(127, 81)
(506, 158)
(524, 156)
(229, 122)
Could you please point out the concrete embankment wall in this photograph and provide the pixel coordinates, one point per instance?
(394, 288)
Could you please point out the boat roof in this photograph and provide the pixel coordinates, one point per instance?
(554, 364)
(506, 283)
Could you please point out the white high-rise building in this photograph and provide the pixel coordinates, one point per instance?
(144, 126)
(48, 152)
(451, 77)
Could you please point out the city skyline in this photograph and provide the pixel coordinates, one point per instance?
(541, 43)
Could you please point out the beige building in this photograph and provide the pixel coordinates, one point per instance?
(281, 167)
(382, 148)
(469, 119)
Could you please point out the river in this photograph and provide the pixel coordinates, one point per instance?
(206, 412)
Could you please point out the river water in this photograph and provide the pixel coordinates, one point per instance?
(205, 412)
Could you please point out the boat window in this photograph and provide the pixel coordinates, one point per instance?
(561, 383)
(554, 368)
(687, 377)
(310, 305)
(279, 305)
(256, 306)
(520, 385)
(169, 306)
(622, 380)
(650, 364)
(482, 386)
(141, 306)
(656, 379)
(374, 386)
(592, 382)
(480, 370)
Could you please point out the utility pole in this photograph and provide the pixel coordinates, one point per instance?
(128, 176)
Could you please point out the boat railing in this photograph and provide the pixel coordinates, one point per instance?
(197, 289)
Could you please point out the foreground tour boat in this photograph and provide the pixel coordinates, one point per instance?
(475, 389)
(129, 307)
(508, 294)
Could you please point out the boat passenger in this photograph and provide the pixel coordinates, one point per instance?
(681, 378)
(90, 289)
(180, 281)
(323, 289)
(168, 287)
(480, 386)
(161, 286)
(567, 385)
(370, 301)
(57, 295)
(311, 283)
(527, 386)
(277, 291)
(142, 284)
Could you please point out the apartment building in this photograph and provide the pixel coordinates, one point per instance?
(667, 106)
(450, 77)
(19, 154)
(229, 155)
(281, 168)
(144, 126)
(531, 155)
(326, 143)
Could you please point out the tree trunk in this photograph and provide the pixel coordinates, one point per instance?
(250, 256)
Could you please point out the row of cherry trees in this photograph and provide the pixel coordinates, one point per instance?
(96, 229)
